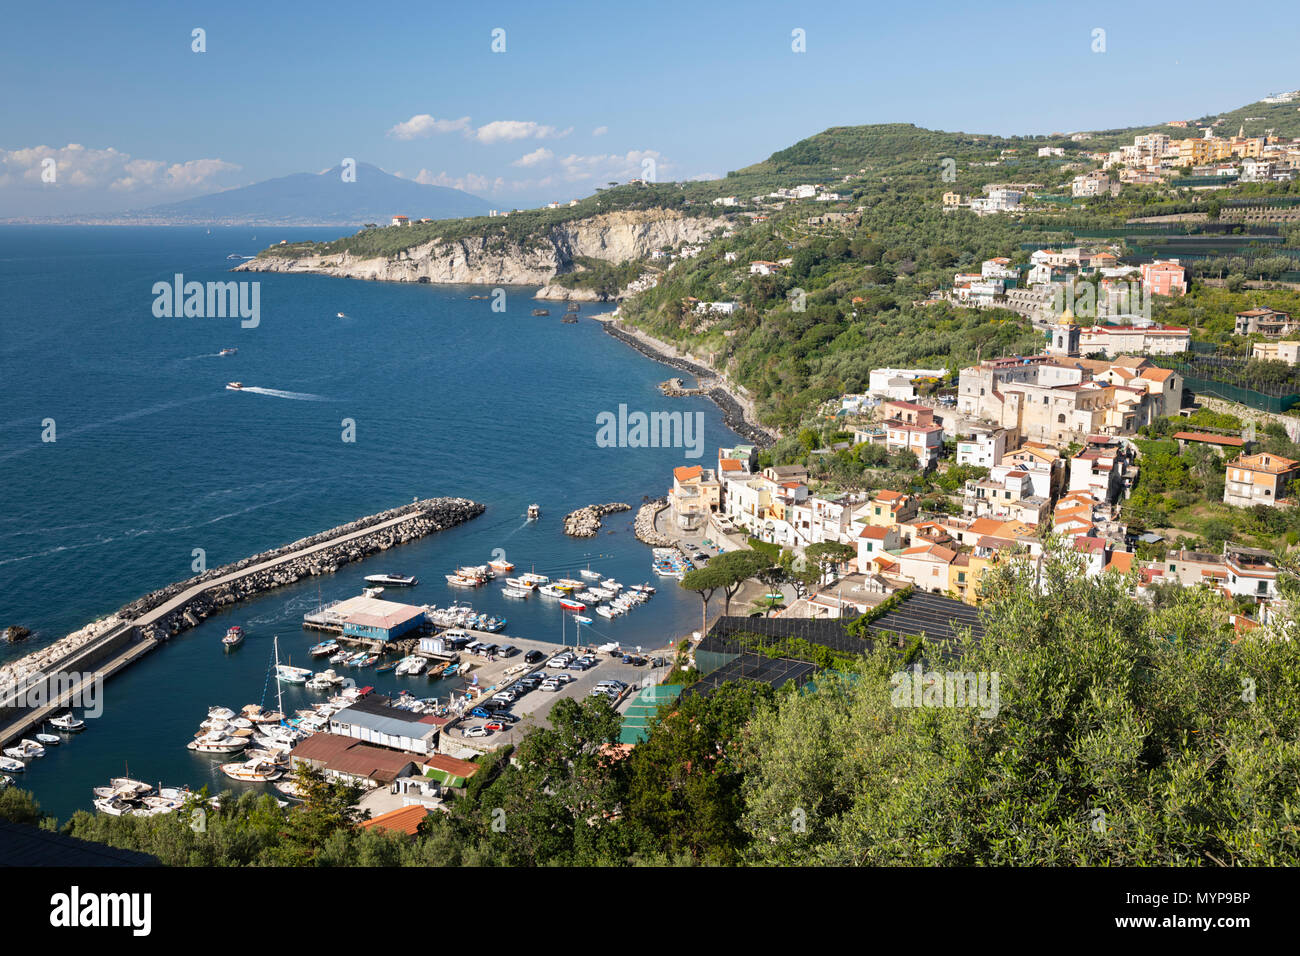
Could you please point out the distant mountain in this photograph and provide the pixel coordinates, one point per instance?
(317, 199)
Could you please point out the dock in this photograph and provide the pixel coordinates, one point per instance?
(134, 636)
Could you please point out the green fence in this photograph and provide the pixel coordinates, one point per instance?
(1232, 393)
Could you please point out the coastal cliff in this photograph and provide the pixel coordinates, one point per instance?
(493, 260)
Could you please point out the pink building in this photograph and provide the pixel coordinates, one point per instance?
(1164, 277)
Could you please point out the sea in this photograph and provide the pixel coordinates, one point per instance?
(125, 463)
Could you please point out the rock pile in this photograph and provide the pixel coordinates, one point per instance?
(585, 522)
(645, 524)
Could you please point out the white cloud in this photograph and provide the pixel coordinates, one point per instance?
(540, 155)
(612, 167)
(75, 165)
(470, 182)
(423, 125)
(501, 131)
(600, 131)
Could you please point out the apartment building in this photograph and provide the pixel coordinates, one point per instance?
(1262, 479)
(1263, 322)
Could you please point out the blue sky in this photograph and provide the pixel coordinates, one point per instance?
(583, 91)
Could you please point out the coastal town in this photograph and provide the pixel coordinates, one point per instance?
(636, 478)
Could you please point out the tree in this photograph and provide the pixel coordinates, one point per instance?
(801, 573)
(737, 567)
(829, 554)
(327, 807)
(704, 582)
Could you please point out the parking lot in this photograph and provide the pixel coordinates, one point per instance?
(533, 706)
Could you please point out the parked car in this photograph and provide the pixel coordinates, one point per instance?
(532, 657)
(563, 678)
(562, 661)
(550, 685)
(638, 662)
(658, 662)
(494, 725)
(509, 651)
(506, 716)
(481, 712)
(479, 731)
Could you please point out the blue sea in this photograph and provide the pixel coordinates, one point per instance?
(153, 459)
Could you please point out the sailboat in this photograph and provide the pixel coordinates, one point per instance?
(287, 674)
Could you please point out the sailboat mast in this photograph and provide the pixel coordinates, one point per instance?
(279, 691)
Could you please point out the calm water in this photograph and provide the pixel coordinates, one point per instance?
(154, 458)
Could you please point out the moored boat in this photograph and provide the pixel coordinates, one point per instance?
(68, 723)
(252, 771)
(514, 592)
(396, 580)
(12, 765)
(500, 564)
(324, 649)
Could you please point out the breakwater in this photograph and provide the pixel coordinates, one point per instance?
(585, 522)
(733, 413)
(177, 607)
(644, 526)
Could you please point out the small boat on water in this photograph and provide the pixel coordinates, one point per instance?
(590, 574)
(571, 583)
(534, 512)
(234, 637)
(569, 604)
(340, 315)
(113, 806)
(356, 659)
(5, 782)
(325, 680)
(228, 351)
(324, 648)
(369, 660)
(396, 580)
(541, 311)
(253, 771)
(385, 668)
(221, 713)
(68, 723)
(606, 611)
(287, 674)
(25, 750)
(552, 591)
(501, 564)
(217, 742)
(582, 620)
(234, 386)
(524, 583)
(12, 765)
(512, 592)
(48, 740)
(341, 657)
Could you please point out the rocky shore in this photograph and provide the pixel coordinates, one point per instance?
(421, 518)
(644, 526)
(734, 414)
(585, 522)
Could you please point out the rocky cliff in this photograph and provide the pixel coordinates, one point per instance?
(488, 260)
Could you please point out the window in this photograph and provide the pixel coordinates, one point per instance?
(1060, 419)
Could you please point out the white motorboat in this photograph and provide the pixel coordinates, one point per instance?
(68, 723)
(397, 580)
(534, 512)
(460, 581)
(500, 565)
(217, 742)
(524, 583)
(221, 713)
(28, 749)
(5, 782)
(590, 574)
(252, 771)
(114, 806)
(48, 740)
(289, 788)
(234, 386)
(514, 592)
(532, 579)
(551, 591)
(286, 674)
(606, 611)
(12, 765)
(258, 716)
(325, 680)
(234, 637)
(324, 649)
(341, 657)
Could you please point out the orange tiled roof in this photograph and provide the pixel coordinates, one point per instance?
(687, 472)
(406, 820)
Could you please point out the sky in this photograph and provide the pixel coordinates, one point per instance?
(575, 94)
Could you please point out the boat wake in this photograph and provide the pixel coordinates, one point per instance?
(280, 393)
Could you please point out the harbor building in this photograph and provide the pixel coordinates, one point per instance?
(374, 619)
(372, 720)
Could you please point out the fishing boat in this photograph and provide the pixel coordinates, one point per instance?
(234, 637)
(370, 659)
(534, 512)
(500, 564)
(356, 659)
(396, 580)
(12, 765)
(524, 583)
(550, 590)
(386, 667)
(253, 771)
(68, 723)
(569, 604)
(572, 584)
(437, 670)
(590, 574)
(451, 671)
(341, 657)
(234, 386)
(324, 648)
(533, 579)
(228, 351)
(48, 740)
(514, 592)
(459, 581)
